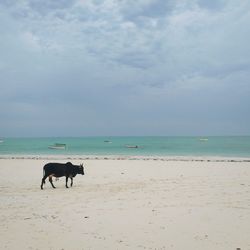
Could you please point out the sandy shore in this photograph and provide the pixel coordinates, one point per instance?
(127, 204)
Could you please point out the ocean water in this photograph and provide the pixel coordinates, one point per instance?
(224, 146)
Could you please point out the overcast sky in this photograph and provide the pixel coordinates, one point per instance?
(124, 67)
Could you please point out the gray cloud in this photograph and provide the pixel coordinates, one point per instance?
(134, 10)
(167, 65)
(46, 6)
(212, 5)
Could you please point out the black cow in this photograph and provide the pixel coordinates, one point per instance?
(60, 169)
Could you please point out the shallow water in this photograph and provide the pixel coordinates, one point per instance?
(224, 146)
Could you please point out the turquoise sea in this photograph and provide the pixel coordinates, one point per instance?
(224, 146)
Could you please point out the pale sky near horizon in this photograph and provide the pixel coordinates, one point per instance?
(124, 67)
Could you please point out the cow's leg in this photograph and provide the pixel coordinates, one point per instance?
(67, 181)
(43, 181)
(50, 180)
(71, 181)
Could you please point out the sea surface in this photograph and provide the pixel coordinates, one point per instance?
(222, 146)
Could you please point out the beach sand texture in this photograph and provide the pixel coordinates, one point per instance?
(127, 204)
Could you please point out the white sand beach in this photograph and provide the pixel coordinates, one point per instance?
(126, 204)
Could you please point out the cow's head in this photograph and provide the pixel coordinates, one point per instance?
(81, 169)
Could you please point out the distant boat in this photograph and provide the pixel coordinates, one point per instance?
(131, 146)
(108, 141)
(58, 146)
(203, 139)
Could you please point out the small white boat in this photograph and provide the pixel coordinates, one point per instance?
(108, 141)
(58, 146)
(203, 139)
(131, 146)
